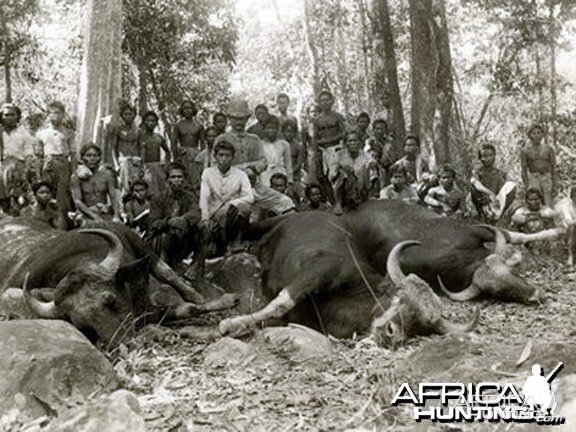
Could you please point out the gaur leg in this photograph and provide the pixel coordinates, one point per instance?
(277, 308)
(321, 274)
(189, 310)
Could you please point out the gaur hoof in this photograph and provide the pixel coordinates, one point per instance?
(228, 301)
(225, 326)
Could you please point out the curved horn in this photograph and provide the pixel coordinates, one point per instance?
(111, 263)
(445, 326)
(393, 263)
(43, 310)
(468, 294)
(499, 240)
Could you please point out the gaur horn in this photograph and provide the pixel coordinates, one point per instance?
(445, 326)
(42, 309)
(499, 238)
(393, 263)
(468, 294)
(111, 263)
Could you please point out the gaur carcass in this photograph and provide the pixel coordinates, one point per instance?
(315, 273)
(96, 278)
(453, 255)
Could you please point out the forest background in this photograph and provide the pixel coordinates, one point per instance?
(458, 73)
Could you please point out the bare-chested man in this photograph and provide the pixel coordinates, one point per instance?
(538, 164)
(93, 191)
(329, 133)
(187, 139)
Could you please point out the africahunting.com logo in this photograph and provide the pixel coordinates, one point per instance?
(486, 401)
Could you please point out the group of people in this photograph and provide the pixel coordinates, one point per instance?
(197, 190)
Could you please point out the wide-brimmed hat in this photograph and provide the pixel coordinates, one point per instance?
(238, 108)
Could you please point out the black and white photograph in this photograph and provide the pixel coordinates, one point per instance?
(287, 215)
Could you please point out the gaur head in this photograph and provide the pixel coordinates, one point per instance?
(495, 277)
(414, 310)
(95, 296)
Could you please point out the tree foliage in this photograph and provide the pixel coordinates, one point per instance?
(178, 47)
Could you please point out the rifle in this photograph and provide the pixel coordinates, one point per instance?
(554, 372)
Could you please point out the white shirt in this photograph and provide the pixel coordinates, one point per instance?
(217, 189)
(56, 141)
(17, 143)
(279, 158)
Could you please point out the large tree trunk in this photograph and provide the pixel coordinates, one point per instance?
(100, 80)
(311, 47)
(432, 83)
(386, 88)
(7, 76)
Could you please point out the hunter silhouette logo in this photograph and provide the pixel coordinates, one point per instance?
(485, 401)
(537, 389)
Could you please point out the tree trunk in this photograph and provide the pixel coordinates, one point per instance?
(553, 97)
(341, 68)
(311, 47)
(366, 31)
(432, 83)
(444, 85)
(142, 88)
(7, 76)
(100, 80)
(386, 87)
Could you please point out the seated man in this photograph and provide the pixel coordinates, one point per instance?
(250, 157)
(45, 207)
(420, 175)
(175, 223)
(279, 183)
(314, 199)
(446, 199)
(225, 197)
(533, 216)
(491, 193)
(349, 173)
(92, 188)
(399, 188)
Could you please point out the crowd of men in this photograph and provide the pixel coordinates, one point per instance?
(197, 190)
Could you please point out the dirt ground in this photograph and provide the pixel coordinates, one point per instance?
(351, 390)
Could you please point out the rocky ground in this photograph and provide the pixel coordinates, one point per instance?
(184, 382)
(260, 386)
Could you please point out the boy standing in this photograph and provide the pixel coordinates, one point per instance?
(225, 196)
(538, 164)
(277, 151)
(446, 199)
(150, 145)
(283, 102)
(398, 187)
(329, 133)
(126, 150)
(362, 125)
(262, 116)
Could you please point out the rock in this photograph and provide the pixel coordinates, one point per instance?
(118, 412)
(240, 273)
(13, 305)
(566, 400)
(227, 351)
(49, 363)
(297, 342)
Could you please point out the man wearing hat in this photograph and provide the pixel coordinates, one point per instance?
(250, 158)
(15, 146)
